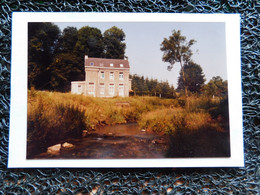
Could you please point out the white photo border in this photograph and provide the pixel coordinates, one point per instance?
(18, 111)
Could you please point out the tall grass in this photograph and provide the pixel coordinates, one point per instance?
(192, 114)
(54, 116)
(168, 121)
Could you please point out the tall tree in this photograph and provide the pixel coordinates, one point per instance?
(68, 39)
(193, 78)
(114, 45)
(90, 42)
(177, 49)
(42, 46)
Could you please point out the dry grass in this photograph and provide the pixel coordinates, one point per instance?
(48, 112)
(53, 115)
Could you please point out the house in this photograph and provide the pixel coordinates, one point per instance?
(104, 78)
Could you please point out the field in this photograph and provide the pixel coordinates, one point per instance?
(200, 129)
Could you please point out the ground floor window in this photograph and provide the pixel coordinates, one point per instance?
(79, 89)
(121, 90)
(111, 89)
(102, 89)
(91, 89)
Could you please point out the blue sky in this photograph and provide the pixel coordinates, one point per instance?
(143, 41)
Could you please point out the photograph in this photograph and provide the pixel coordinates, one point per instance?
(118, 90)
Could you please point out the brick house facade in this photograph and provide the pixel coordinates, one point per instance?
(104, 78)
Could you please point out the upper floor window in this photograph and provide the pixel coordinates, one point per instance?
(102, 75)
(111, 64)
(91, 63)
(121, 65)
(111, 75)
(121, 75)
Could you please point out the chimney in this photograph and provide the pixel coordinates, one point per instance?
(125, 58)
(86, 57)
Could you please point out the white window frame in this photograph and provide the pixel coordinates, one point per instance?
(111, 89)
(121, 90)
(111, 75)
(102, 89)
(91, 88)
(102, 75)
(121, 75)
(79, 89)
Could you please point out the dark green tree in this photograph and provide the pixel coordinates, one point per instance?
(114, 45)
(68, 40)
(42, 47)
(90, 42)
(177, 49)
(64, 69)
(193, 78)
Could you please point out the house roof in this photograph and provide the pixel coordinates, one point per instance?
(104, 62)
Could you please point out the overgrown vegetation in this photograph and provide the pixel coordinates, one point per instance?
(54, 116)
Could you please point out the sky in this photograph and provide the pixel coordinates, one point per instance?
(143, 40)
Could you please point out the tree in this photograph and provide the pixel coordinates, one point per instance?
(64, 69)
(177, 49)
(42, 46)
(114, 46)
(193, 78)
(216, 87)
(68, 40)
(90, 42)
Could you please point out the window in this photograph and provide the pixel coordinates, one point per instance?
(102, 89)
(121, 90)
(91, 89)
(121, 76)
(101, 64)
(111, 75)
(79, 89)
(111, 89)
(121, 65)
(102, 75)
(111, 64)
(91, 63)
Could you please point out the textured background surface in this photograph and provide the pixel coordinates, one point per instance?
(122, 181)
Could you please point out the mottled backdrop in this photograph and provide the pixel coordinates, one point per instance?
(123, 181)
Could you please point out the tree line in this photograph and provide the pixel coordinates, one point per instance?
(151, 87)
(56, 58)
(142, 86)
